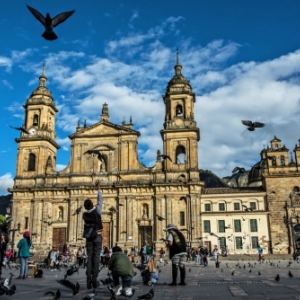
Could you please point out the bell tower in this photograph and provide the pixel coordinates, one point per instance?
(180, 134)
(37, 149)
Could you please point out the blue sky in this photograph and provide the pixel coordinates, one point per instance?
(241, 57)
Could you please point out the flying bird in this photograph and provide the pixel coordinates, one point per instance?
(164, 157)
(56, 295)
(238, 169)
(247, 208)
(49, 23)
(147, 296)
(70, 271)
(277, 278)
(74, 287)
(160, 218)
(118, 175)
(21, 129)
(97, 152)
(77, 211)
(252, 125)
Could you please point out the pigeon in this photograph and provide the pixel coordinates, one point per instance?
(160, 218)
(290, 274)
(247, 208)
(240, 170)
(106, 281)
(7, 281)
(190, 269)
(164, 157)
(232, 273)
(252, 125)
(182, 175)
(70, 271)
(277, 278)
(99, 155)
(77, 211)
(89, 296)
(259, 273)
(250, 271)
(74, 287)
(147, 296)
(21, 129)
(11, 291)
(56, 295)
(112, 292)
(118, 175)
(49, 23)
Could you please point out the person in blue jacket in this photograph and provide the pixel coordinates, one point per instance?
(24, 245)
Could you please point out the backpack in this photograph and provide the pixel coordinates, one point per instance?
(90, 230)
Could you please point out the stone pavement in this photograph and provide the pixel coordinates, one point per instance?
(231, 281)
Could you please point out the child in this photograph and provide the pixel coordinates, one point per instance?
(205, 260)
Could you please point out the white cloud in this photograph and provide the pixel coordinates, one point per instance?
(6, 181)
(6, 63)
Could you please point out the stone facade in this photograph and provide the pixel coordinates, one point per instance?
(44, 200)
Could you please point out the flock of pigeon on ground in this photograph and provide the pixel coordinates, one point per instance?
(8, 288)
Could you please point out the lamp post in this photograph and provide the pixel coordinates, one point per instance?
(288, 222)
(112, 211)
(13, 239)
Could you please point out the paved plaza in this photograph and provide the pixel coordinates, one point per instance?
(235, 279)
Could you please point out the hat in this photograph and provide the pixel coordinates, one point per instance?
(169, 226)
(26, 234)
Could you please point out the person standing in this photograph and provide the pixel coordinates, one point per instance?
(120, 266)
(260, 251)
(24, 245)
(53, 256)
(216, 255)
(79, 257)
(92, 217)
(177, 249)
(3, 244)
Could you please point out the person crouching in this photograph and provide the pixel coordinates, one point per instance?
(120, 266)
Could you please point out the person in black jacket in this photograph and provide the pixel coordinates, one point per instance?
(177, 249)
(3, 243)
(92, 218)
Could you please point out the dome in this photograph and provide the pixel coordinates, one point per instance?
(254, 177)
(178, 80)
(42, 89)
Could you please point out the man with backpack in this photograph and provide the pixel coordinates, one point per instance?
(93, 233)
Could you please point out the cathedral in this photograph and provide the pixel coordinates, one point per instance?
(140, 201)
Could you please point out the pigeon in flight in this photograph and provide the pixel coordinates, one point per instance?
(56, 295)
(99, 155)
(164, 157)
(21, 129)
(240, 170)
(247, 208)
(49, 23)
(252, 125)
(74, 287)
(77, 211)
(160, 218)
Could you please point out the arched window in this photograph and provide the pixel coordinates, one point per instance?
(273, 161)
(281, 160)
(276, 146)
(35, 120)
(49, 162)
(179, 110)
(31, 162)
(180, 155)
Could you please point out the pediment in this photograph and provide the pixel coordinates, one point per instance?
(103, 128)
